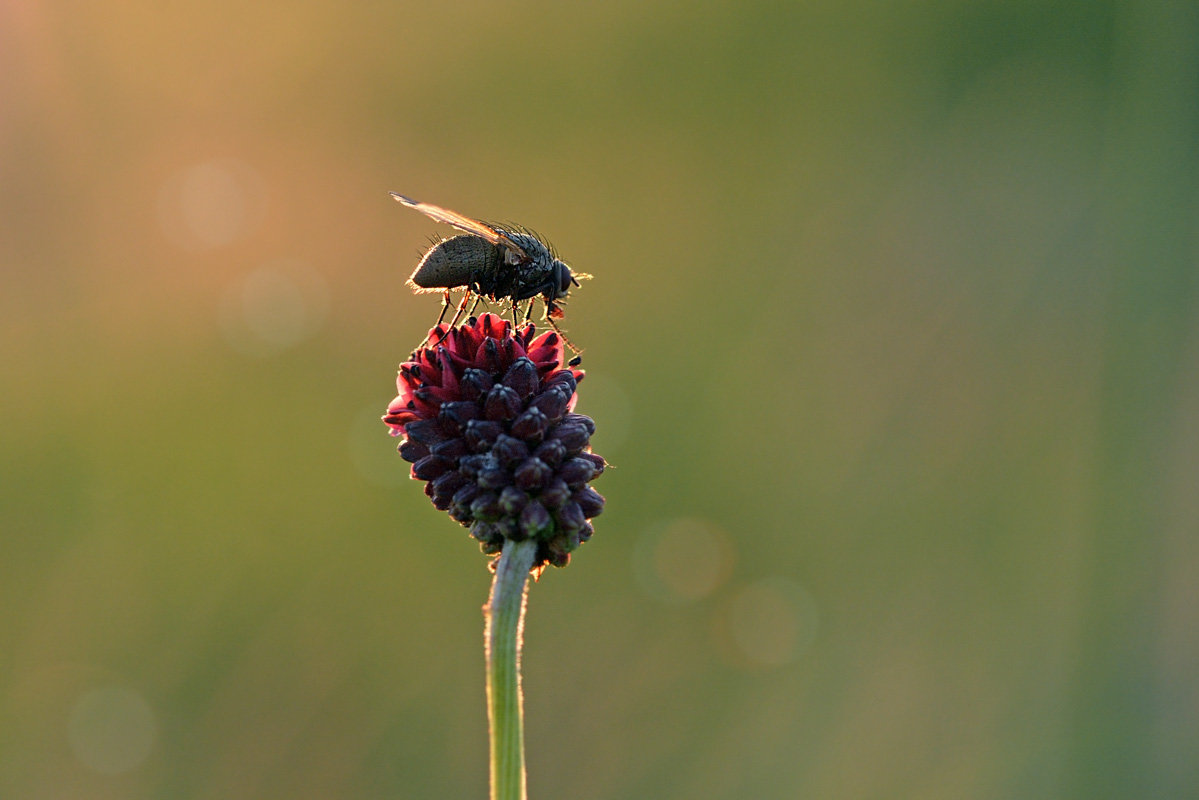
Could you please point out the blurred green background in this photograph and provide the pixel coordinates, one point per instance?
(892, 341)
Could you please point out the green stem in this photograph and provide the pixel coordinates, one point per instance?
(505, 616)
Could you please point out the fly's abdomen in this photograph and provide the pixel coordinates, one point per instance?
(457, 261)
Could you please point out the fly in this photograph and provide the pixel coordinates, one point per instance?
(491, 262)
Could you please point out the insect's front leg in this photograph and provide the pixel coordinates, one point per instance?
(466, 295)
(578, 353)
(478, 299)
(444, 308)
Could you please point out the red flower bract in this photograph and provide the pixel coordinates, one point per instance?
(485, 412)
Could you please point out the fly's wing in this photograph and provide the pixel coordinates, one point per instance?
(462, 223)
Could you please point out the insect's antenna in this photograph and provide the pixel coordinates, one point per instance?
(575, 277)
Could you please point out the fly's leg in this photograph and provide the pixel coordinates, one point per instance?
(553, 309)
(478, 299)
(453, 322)
(461, 308)
(578, 353)
(445, 306)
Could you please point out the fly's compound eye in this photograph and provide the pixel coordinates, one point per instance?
(565, 279)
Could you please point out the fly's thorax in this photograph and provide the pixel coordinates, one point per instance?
(537, 254)
(533, 269)
(457, 261)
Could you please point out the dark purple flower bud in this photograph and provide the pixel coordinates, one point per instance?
(493, 477)
(466, 494)
(551, 402)
(512, 500)
(486, 507)
(531, 425)
(502, 403)
(425, 431)
(546, 351)
(581, 419)
(509, 450)
(509, 529)
(428, 397)
(493, 326)
(481, 434)
(590, 501)
(551, 452)
(430, 467)
(596, 461)
(449, 483)
(572, 539)
(558, 551)
(470, 465)
(571, 518)
(483, 531)
(413, 451)
(574, 437)
(555, 494)
(453, 416)
(488, 533)
(488, 356)
(453, 449)
(474, 384)
(535, 521)
(522, 377)
(564, 378)
(588, 530)
(532, 474)
(576, 471)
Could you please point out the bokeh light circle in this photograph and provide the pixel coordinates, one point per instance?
(112, 730)
(772, 621)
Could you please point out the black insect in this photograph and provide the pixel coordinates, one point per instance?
(493, 263)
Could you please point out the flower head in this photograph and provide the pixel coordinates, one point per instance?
(486, 416)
